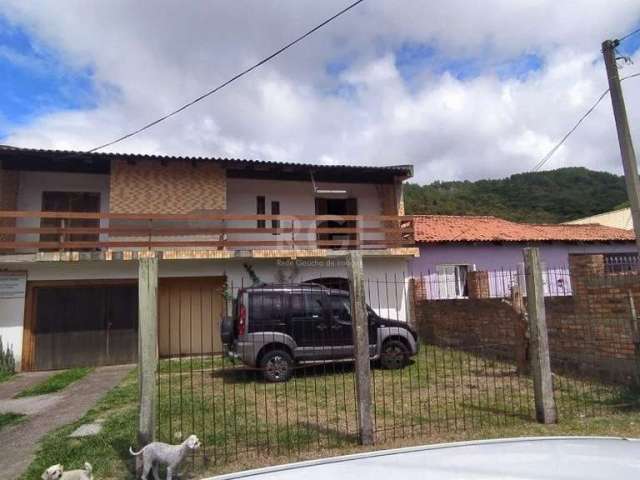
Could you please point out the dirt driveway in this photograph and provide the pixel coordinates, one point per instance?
(47, 412)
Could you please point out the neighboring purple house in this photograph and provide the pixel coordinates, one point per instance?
(451, 246)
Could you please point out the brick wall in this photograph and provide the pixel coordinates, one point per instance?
(177, 187)
(589, 332)
(9, 183)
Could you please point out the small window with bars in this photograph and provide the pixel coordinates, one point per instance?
(621, 262)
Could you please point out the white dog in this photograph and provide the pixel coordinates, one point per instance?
(56, 472)
(157, 453)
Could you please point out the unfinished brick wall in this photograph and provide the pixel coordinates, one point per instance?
(589, 332)
(178, 187)
(9, 183)
(478, 285)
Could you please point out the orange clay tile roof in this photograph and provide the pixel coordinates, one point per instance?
(458, 228)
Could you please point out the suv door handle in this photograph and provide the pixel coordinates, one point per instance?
(321, 326)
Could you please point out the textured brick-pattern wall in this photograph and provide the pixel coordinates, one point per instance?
(178, 187)
(9, 183)
(589, 332)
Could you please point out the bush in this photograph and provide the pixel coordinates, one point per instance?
(7, 360)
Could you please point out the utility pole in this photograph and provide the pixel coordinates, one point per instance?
(629, 164)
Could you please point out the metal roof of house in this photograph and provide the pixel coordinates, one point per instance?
(10, 154)
(461, 229)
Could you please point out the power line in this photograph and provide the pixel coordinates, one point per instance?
(231, 80)
(622, 39)
(548, 156)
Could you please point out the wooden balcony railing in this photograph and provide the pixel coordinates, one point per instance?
(29, 231)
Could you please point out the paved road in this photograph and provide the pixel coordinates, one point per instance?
(48, 412)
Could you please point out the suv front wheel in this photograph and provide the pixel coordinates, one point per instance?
(276, 365)
(394, 355)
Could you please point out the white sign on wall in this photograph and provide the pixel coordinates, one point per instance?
(13, 284)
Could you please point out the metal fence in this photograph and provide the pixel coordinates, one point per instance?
(468, 373)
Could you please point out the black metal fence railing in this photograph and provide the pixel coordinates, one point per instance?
(266, 370)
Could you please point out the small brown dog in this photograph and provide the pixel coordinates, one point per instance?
(56, 472)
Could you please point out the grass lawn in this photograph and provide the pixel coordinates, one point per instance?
(443, 395)
(55, 383)
(7, 419)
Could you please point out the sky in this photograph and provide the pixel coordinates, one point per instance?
(462, 90)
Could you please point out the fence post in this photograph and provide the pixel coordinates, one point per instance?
(538, 338)
(147, 346)
(360, 325)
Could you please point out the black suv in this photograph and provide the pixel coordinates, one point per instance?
(273, 327)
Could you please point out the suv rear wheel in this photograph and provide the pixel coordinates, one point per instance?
(276, 365)
(394, 355)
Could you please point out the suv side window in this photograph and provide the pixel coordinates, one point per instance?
(341, 308)
(266, 308)
(313, 304)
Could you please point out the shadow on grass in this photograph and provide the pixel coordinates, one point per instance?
(121, 447)
(242, 374)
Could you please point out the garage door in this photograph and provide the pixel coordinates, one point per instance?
(73, 324)
(189, 314)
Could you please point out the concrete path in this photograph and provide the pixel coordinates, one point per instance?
(19, 442)
(12, 387)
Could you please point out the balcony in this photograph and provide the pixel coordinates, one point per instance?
(111, 235)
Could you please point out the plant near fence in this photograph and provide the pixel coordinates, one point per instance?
(7, 359)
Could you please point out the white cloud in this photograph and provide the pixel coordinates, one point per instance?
(159, 55)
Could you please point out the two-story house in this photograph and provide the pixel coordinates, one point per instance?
(73, 224)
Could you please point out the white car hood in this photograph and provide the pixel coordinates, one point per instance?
(557, 458)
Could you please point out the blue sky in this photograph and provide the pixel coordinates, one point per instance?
(35, 81)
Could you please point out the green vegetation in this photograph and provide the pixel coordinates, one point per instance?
(4, 376)
(108, 452)
(7, 362)
(56, 382)
(444, 395)
(544, 197)
(7, 419)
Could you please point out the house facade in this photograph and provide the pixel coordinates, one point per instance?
(73, 224)
(453, 248)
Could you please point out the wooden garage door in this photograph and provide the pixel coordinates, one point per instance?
(83, 323)
(189, 313)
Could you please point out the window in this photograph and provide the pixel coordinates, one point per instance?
(266, 306)
(275, 210)
(85, 202)
(313, 303)
(261, 210)
(452, 281)
(621, 262)
(306, 304)
(341, 308)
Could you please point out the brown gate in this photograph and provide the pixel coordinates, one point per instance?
(189, 313)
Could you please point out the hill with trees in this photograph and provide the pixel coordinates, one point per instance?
(552, 196)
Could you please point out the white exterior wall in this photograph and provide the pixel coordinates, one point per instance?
(296, 198)
(617, 218)
(32, 184)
